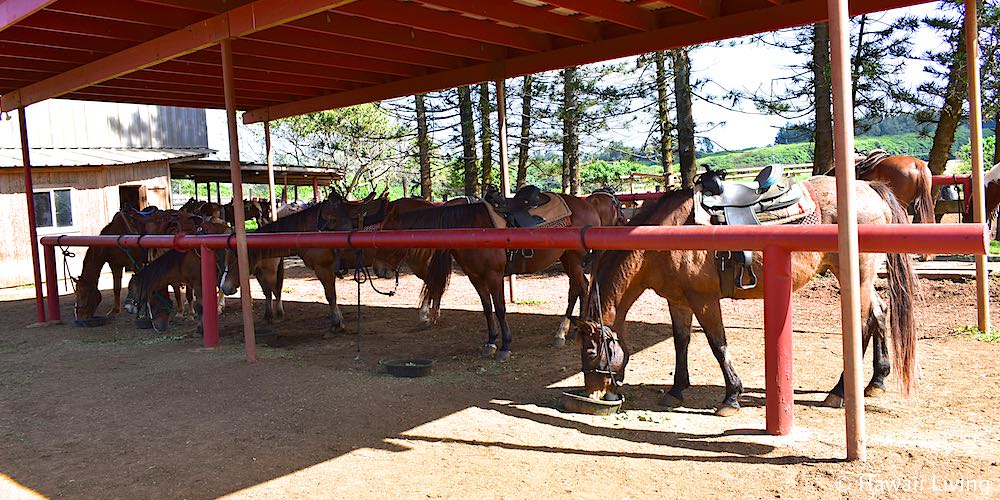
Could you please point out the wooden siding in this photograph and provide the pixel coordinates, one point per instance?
(95, 201)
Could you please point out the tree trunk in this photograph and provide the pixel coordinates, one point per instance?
(823, 136)
(856, 62)
(663, 117)
(996, 139)
(423, 148)
(468, 139)
(485, 135)
(522, 157)
(685, 118)
(571, 140)
(951, 110)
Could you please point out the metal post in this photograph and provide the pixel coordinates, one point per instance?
(315, 190)
(29, 193)
(218, 193)
(976, 138)
(209, 298)
(249, 340)
(847, 224)
(195, 190)
(270, 171)
(51, 282)
(778, 341)
(504, 167)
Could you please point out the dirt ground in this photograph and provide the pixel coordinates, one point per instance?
(117, 412)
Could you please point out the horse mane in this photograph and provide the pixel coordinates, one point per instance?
(294, 222)
(155, 274)
(443, 217)
(656, 213)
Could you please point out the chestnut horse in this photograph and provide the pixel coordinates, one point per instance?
(486, 267)
(334, 214)
(148, 286)
(908, 178)
(689, 281)
(88, 297)
(991, 189)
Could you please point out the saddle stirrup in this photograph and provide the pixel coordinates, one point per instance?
(745, 267)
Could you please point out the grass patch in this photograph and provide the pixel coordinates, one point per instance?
(251, 225)
(161, 339)
(529, 302)
(994, 247)
(978, 334)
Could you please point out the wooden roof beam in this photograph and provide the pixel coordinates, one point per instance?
(619, 13)
(705, 9)
(414, 15)
(706, 30)
(15, 11)
(536, 18)
(240, 21)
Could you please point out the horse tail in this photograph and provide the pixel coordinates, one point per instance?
(902, 288)
(923, 204)
(438, 277)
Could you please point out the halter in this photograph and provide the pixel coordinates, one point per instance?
(607, 337)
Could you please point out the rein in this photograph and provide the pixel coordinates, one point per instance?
(604, 347)
(66, 256)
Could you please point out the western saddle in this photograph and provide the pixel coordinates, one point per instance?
(762, 201)
(515, 210)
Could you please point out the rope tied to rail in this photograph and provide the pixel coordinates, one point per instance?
(67, 254)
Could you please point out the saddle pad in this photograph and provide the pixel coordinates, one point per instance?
(552, 212)
(806, 206)
(870, 161)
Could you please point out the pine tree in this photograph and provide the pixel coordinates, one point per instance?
(685, 118)
(423, 148)
(485, 135)
(468, 126)
(523, 146)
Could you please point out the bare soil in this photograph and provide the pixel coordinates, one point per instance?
(115, 412)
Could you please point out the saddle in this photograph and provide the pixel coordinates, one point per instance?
(770, 199)
(869, 162)
(518, 211)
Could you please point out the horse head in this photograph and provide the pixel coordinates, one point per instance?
(603, 359)
(88, 297)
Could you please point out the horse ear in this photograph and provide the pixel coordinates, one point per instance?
(587, 327)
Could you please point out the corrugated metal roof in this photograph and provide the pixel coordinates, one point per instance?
(78, 157)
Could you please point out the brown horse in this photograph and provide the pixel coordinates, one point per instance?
(486, 267)
(334, 214)
(148, 286)
(991, 189)
(909, 179)
(689, 281)
(128, 221)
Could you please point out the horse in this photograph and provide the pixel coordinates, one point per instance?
(486, 267)
(991, 193)
(334, 214)
(252, 210)
(148, 286)
(128, 221)
(909, 179)
(689, 281)
(608, 206)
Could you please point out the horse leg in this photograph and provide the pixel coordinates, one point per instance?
(573, 264)
(880, 347)
(116, 278)
(327, 276)
(500, 310)
(680, 323)
(835, 399)
(709, 315)
(483, 289)
(266, 286)
(179, 300)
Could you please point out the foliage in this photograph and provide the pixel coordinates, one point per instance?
(904, 144)
(965, 154)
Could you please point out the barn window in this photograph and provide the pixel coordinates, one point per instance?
(54, 208)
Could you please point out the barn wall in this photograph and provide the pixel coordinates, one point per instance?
(95, 201)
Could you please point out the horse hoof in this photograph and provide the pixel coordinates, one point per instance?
(670, 401)
(489, 350)
(559, 342)
(873, 391)
(503, 356)
(727, 411)
(833, 401)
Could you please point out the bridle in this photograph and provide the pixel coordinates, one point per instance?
(604, 356)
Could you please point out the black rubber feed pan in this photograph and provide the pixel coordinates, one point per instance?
(91, 322)
(143, 323)
(409, 367)
(576, 402)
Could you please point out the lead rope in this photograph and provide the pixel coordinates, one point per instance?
(606, 339)
(67, 277)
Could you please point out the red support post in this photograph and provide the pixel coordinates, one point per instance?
(51, 282)
(209, 299)
(315, 190)
(778, 340)
(29, 193)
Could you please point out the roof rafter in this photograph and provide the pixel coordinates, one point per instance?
(535, 18)
(240, 21)
(619, 13)
(701, 8)
(14, 11)
(416, 16)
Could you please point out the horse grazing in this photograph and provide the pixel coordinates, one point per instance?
(486, 267)
(127, 221)
(148, 286)
(690, 282)
(334, 214)
(908, 178)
